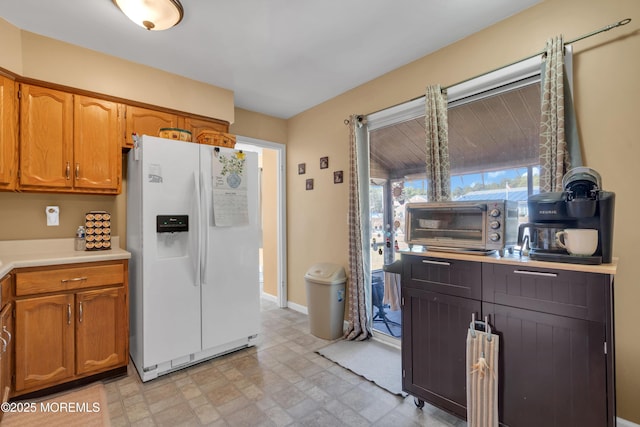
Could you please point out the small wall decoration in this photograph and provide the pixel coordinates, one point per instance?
(324, 162)
(310, 184)
(302, 168)
(337, 177)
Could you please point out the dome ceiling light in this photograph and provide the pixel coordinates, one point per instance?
(153, 15)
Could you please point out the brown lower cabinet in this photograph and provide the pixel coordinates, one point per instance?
(556, 364)
(6, 339)
(71, 322)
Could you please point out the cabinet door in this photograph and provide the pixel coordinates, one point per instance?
(97, 147)
(552, 369)
(143, 121)
(195, 126)
(8, 134)
(6, 351)
(101, 330)
(46, 138)
(434, 333)
(44, 341)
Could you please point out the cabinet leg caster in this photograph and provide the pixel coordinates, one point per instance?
(418, 402)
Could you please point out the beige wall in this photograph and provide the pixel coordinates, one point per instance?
(607, 92)
(259, 126)
(11, 47)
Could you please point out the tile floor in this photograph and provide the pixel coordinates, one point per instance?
(280, 382)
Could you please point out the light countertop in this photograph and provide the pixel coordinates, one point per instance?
(38, 253)
(516, 260)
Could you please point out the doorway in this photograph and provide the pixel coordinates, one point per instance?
(272, 158)
(384, 246)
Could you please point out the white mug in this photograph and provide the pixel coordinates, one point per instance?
(578, 241)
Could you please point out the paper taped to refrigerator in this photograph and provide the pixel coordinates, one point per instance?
(230, 198)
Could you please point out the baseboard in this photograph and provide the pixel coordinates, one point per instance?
(297, 307)
(269, 297)
(624, 423)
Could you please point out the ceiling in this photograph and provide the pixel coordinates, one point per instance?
(280, 57)
(489, 134)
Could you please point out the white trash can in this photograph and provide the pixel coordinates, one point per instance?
(325, 283)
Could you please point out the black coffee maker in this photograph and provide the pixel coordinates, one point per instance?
(582, 204)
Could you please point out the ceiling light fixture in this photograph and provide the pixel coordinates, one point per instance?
(153, 15)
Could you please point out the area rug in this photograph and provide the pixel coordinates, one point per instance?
(84, 407)
(379, 363)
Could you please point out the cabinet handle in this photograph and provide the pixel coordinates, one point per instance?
(536, 273)
(75, 279)
(68, 314)
(4, 345)
(80, 310)
(77, 171)
(68, 171)
(4, 329)
(427, 261)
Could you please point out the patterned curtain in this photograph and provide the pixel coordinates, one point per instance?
(437, 130)
(359, 285)
(559, 143)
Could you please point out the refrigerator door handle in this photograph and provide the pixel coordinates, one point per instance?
(205, 229)
(197, 230)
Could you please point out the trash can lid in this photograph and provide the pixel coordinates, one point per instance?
(326, 272)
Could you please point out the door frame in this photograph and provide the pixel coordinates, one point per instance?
(281, 211)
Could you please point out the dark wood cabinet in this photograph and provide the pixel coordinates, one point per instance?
(439, 298)
(556, 365)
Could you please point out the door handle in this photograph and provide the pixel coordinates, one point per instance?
(68, 314)
(77, 171)
(4, 345)
(80, 312)
(68, 171)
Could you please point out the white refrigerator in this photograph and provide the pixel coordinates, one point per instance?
(193, 231)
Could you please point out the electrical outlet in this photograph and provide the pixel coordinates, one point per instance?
(53, 215)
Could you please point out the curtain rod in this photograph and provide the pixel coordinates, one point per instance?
(593, 33)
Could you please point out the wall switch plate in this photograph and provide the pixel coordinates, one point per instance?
(53, 215)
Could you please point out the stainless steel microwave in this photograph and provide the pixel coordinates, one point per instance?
(472, 226)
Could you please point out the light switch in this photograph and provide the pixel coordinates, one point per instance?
(53, 215)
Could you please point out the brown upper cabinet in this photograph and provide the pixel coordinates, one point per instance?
(144, 121)
(68, 143)
(195, 126)
(8, 134)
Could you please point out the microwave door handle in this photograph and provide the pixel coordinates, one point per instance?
(449, 208)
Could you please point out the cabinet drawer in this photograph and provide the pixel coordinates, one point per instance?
(566, 293)
(68, 278)
(446, 276)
